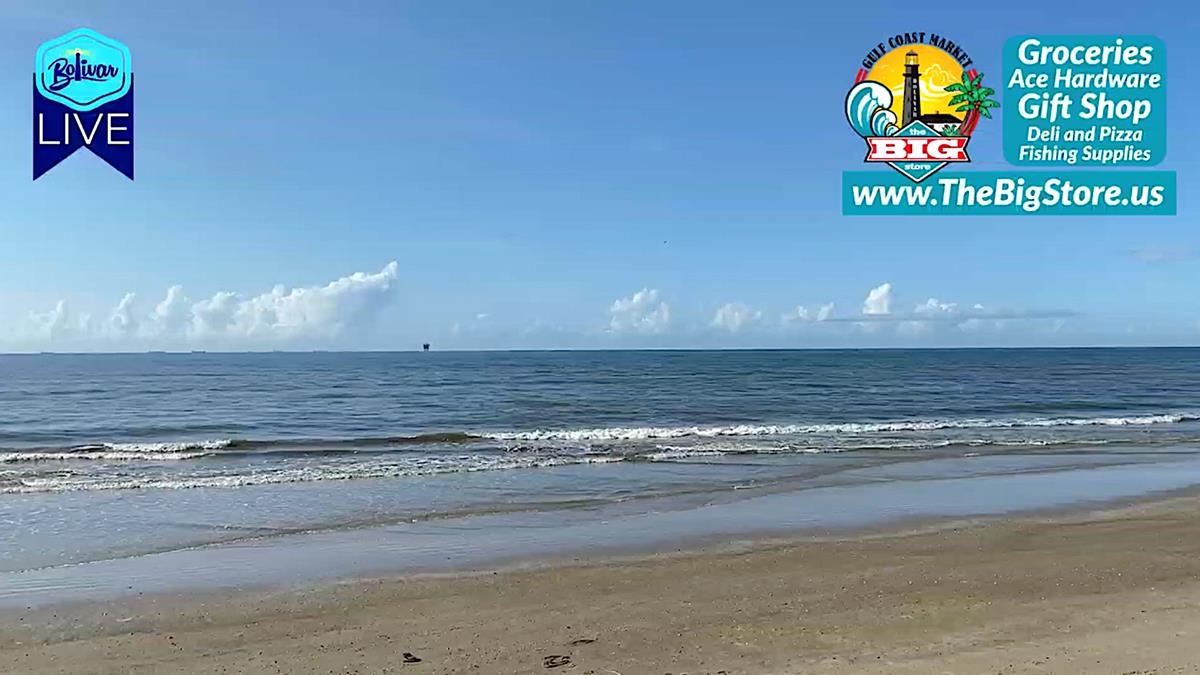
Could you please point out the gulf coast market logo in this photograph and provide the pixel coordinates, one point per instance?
(916, 101)
(82, 97)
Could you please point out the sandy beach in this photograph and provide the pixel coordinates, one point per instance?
(1110, 591)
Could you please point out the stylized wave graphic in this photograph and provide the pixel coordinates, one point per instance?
(867, 110)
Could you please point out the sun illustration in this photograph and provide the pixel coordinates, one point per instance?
(937, 68)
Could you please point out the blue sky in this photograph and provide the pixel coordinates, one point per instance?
(531, 167)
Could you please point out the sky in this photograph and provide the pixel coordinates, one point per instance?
(549, 174)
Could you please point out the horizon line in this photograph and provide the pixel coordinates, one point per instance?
(199, 352)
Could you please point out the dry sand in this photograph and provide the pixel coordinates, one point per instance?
(1116, 591)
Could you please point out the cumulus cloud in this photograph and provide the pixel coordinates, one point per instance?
(935, 307)
(57, 323)
(938, 318)
(342, 314)
(172, 314)
(801, 314)
(122, 321)
(214, 317)
(642, 312)
(733, 316)
(879, 301)
(279, 316)
(319, 311)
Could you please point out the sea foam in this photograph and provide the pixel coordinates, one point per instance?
(648, 433)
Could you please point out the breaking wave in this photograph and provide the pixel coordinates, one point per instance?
(170, 451)
(825, 439)
(679, 452)
(651, 433)
(359, 471)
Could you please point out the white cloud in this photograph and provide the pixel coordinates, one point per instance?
(935, 307)
(800, 313)
(879, 301)
(213, 317)
(734, 316)
(122, 321)
(642, 312)
(172, 314)
(55, 324)
(319, 311)
(926, 315)
(280, 316)
(344, 312)
(939, 319)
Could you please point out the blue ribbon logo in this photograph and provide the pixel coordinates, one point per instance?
(82, 97)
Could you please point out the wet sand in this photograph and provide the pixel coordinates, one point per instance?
(1112, 591)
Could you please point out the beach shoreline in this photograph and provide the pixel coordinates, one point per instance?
(848, 501)
(1114, 589)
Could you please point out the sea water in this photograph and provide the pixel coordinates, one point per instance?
(157, 471)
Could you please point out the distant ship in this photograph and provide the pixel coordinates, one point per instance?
(425, 347)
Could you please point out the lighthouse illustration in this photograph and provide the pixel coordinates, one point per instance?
(911, 104)
(912, 89)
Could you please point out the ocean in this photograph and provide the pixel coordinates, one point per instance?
(252, 468)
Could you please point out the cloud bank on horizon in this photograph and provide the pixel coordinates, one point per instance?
(301, 316)
(341, 314)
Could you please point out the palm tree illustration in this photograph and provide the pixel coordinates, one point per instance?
(974, 99)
